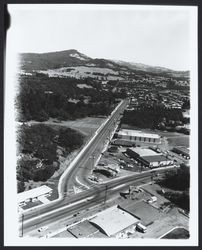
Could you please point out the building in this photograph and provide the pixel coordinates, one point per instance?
(182, 150)
(114, 220)
(123, 143)
(138, 136)
(142, 210)
(148, 157)
(33, 194)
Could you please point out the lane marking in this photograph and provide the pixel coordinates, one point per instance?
(59, 209)
(123, 185)
(82, 184)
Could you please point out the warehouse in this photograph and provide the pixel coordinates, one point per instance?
(148, 157)
(138, 136)
(114, 220)
(123, 143)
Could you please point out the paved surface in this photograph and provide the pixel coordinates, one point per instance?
(82, 201)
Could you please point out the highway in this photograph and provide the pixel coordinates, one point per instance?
(84, 165)
(81, 164)
(95, 194)
(80, 201)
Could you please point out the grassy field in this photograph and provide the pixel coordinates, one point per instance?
(87, 126)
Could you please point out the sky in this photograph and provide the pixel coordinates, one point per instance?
(158, 36)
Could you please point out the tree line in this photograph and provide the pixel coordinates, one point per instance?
(41, 97)
(37, 148)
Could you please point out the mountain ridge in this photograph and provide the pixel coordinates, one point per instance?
(74, 58)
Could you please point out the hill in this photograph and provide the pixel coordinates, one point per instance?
(72, 63)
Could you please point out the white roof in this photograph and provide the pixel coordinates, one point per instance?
(137, 133)
(144, 151)
(35, 192)
(113, 220)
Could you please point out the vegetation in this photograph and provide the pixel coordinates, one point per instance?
(37, 147)
(41, 97)
(178, 182)
(156, 117)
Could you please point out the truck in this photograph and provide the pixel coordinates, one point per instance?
(152, 199)
(141, 227)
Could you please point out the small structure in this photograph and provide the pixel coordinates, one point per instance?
(113, 149)
(152, 199)
(33, 194)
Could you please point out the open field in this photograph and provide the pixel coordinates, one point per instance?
(87, 126)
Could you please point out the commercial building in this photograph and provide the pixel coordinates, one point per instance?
(33, 194)
(138, 136)
(83, 229)
(113, 221)
(182, 150)
(142, 210)
(148, 157)
(123, 143)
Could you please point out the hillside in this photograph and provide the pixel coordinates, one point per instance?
(71, 63)
(154, 69)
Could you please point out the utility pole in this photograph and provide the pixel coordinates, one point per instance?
(22, 224)
(105, 194)
(93, 158)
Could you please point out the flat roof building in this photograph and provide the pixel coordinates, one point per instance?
(142, 151)
(148, 157)
(143, 210)
(33, 194)
(113, 220)
(138, 136)
(182, 150)
(83, 229)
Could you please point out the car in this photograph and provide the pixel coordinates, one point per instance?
(41, 229)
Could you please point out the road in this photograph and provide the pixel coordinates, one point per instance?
(81, 201)
(78, 202)
(83, 166)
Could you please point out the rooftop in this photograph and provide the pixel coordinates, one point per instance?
(143, 210)
(64, 234)
(182, 149)
(83, 229)
(155, 158)
(113, 220)
(137, 133)
(144, 151)
(33, 193)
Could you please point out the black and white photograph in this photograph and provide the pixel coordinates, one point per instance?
(101, 134)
